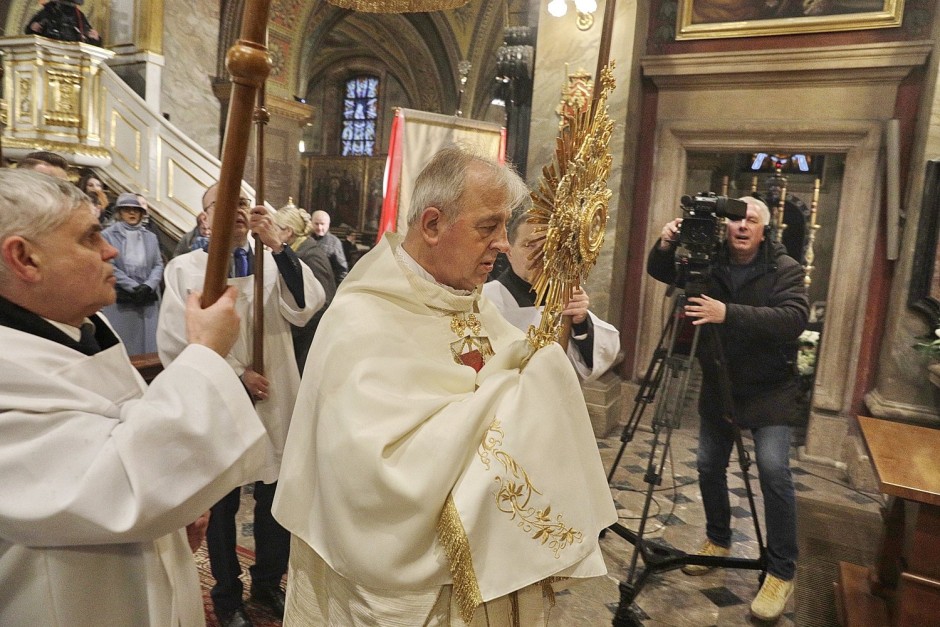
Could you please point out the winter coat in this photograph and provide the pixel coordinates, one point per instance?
(764, 318)
(63, 21)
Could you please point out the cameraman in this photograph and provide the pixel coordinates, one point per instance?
(756, 295)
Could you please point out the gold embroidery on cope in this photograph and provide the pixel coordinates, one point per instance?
(461, 323)
(515, 493)
(468, 328)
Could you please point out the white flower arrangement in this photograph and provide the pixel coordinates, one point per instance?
(806, 357)
(931, 348)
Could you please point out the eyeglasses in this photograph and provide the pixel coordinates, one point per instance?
(243, 203)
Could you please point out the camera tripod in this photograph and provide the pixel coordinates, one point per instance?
(668, 374)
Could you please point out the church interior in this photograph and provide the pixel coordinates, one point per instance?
(829, 111)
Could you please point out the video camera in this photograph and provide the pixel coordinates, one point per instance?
(700, 236)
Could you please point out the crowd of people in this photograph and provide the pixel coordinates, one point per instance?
(385, 418)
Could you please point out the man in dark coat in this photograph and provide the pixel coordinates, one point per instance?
(757, 298)
(63, 20)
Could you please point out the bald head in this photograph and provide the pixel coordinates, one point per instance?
(320, 223)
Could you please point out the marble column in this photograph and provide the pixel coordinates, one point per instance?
(191, 31)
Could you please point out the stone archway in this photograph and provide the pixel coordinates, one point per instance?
(710, 102)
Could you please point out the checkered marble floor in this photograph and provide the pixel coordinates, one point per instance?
(676, 519)
(721, 597)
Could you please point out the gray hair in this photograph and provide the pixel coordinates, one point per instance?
(762, 211)
(33, 204)
(441, 183)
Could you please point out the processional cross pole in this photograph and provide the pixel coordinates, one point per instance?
(261, 118)
(249, 64)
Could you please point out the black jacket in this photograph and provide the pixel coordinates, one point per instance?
(316, 258)
(765, 315)
(63, 21)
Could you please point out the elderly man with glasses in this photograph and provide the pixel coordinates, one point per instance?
(292, 296)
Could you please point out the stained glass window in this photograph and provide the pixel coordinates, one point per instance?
(360, 111)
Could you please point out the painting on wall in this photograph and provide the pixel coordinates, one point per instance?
(713, 19)
(348, 188)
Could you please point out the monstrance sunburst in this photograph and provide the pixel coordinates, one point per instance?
(569, 210)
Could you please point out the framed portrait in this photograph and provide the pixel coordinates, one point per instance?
(348, 188)
(714, 19)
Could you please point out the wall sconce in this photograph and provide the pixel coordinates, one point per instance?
(585, 9)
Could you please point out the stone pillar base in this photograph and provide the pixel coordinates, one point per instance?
(604, 402)
(825, 437)
(861, 473)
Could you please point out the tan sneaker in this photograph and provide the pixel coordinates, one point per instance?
(772, 598)
(710, 549)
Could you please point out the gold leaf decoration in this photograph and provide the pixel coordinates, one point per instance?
(515, 495)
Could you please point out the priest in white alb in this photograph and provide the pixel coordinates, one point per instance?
(102, 473)
(437, 471)
(593, 343)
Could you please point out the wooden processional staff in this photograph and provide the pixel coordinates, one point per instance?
(249, 65)
(257, 337)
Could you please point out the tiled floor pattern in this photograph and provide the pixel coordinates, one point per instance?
(721, 597)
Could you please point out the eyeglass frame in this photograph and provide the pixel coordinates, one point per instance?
(243, 203)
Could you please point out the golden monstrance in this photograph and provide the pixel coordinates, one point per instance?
(569, 210)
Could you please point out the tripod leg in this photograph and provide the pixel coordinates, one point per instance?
(625, 615)
(744, 460)
(652, 478)
(727, 410)
(667, 417)
(647, 392)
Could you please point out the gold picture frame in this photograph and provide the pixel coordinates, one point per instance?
(718, 19)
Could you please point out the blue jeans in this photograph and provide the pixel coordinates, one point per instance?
(771, 447)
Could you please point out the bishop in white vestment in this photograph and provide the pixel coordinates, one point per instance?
(436, 471)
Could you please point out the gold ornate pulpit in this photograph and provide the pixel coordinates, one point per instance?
(53, 96)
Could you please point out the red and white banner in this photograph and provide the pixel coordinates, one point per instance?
(416, 136)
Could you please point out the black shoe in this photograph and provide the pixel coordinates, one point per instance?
(238, 618)
(271, 598)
